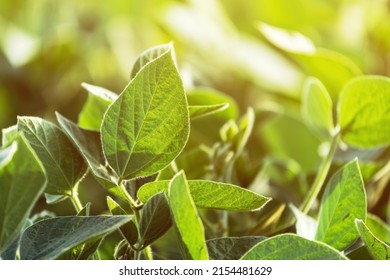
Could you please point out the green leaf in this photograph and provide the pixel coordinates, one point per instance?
(364, 112)
(231, 248)
(129, 230)
(305, 225)
(292, 247)
(343, 201)
(10, 253)
(50, 238)
(186, 219)
(98, 100)
(63, 164)
(199, 111)
(148, 125)
(155, 219)
(53, 198)
(89, 145)
(148, 56)
(209, 194)
(378, 227)
(9, 135)
(377, 248)
(22, 181)
(317, 107)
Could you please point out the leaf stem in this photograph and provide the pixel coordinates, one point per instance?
(322, 174)
(78, 206)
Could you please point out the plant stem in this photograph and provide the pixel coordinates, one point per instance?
(148, 253)
(76, 200)
(322, 174)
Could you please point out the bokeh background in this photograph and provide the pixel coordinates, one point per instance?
(49, 47)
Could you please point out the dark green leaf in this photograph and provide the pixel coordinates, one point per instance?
(148, 125)
(186, 219)
(89, 145)
(155, 219)
(343, 201)
(364, 112)
(209, 194)
(292, 247)
(231, 248)
(129, 230)
(50, 238)
(377, 248)
(63, 164)
(22, 181)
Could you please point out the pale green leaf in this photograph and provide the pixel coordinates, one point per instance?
(50, 238)
(305, 225)
(9, 134)
(186, 219)
(155, 219)
(199, 111)
(63, 164)
(364, 112)
(148, 56)
(378, 227)
(377, 248)
(88, 144)
(231, 248)
(209, 194)
(148, 125)
(343, 201)
(22, 181)
(98, 100)
(292, 247)
(317, 107)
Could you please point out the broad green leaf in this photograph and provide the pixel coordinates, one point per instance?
(314, 61)
(98, 100)
(343, 201)
(378, 227)
(317, 107)
(50, 238)
(148, 56)
(155, 219)
(209, 194)
(305, 225)
(292, 247)
(364, 112)
(148, 125)
(377, 248)
(10, 253)
(89, 145)
(63, 164)
(186, 219)
(129, 230)
(231, 248)
(9, 134)
(22, 181)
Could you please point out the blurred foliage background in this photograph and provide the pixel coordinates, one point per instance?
(49, 47)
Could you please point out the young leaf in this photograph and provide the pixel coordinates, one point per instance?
(364, 112)
(63, 164)
(89, 145)
(231, 248)
(155, 219)
(343, 201)
(148, 125)
(378, 227)
(22, 181)
(148, 56)
(99, 99)
(317, 107)
(377, 248)
(185, 217)
(292, 247)
(209, 194)
(129, 230)
(199, 111)
(305, 225)
(50, 238)
(9, 135)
